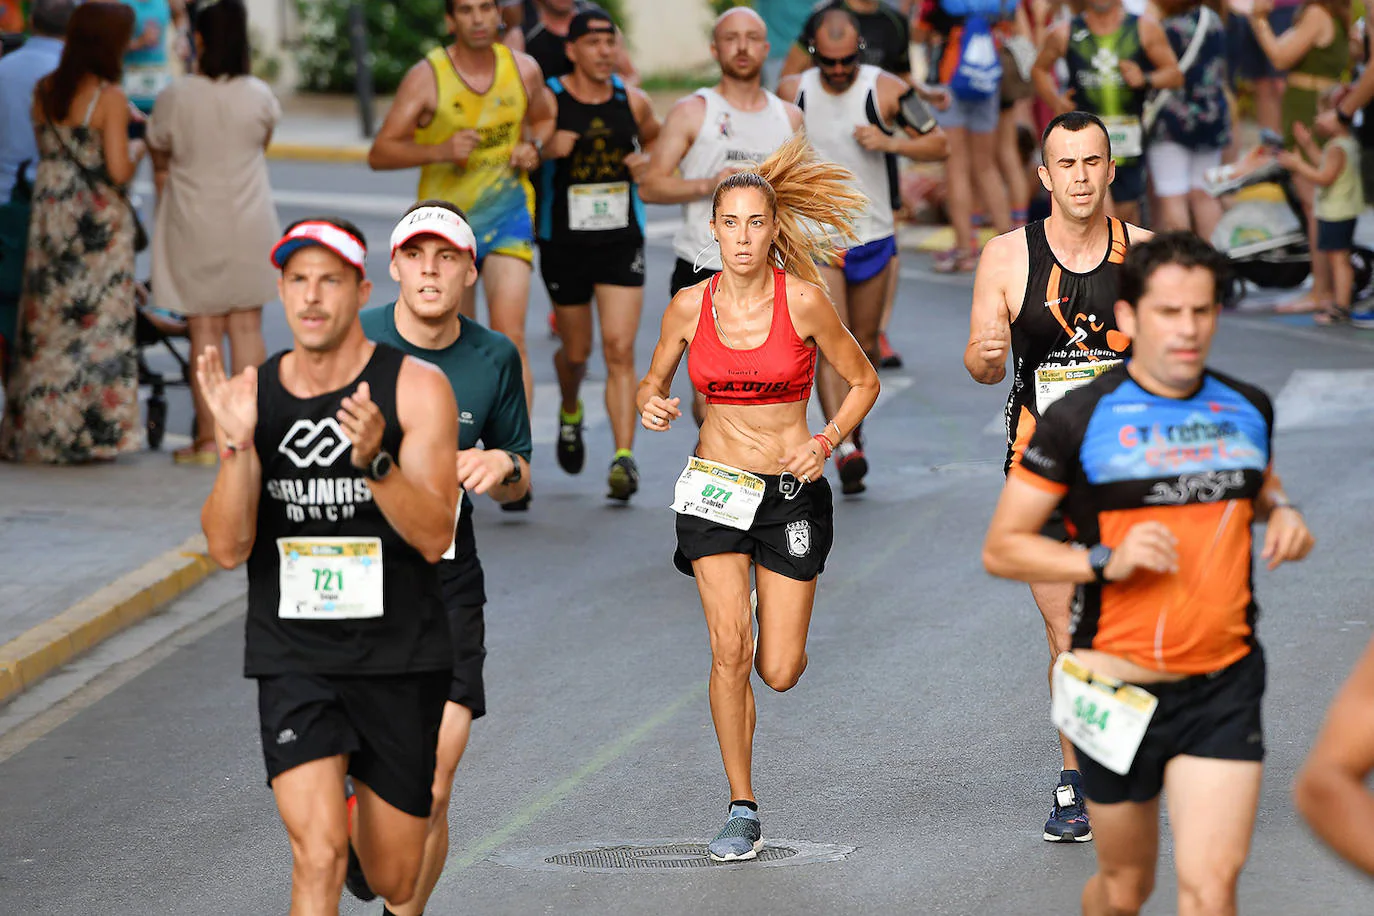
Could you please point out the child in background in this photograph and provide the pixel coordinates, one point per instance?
(1340, 200)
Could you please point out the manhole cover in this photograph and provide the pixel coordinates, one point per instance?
(661, 855)
(677, 855)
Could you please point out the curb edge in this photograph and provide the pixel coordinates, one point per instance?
(40, 650)
(314, 152)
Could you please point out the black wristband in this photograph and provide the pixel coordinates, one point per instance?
(1347, 120)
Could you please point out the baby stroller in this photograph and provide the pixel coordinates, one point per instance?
(1266, 241)
(153, 328)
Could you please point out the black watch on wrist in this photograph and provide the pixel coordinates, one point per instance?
(515, 474)
(379, 467)
(1347, 120)
(1099, 555)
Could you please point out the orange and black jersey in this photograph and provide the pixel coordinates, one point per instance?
(1066, 328)
(1119, 455)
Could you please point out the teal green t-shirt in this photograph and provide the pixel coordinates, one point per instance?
(784, 19)
(483, 367)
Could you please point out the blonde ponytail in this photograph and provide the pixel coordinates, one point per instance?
(814, 203)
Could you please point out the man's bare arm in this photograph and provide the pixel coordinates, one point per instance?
(990, 317)
(660, 184)
(1330, 791)
(394, 147)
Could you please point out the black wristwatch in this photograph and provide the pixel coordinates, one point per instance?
(1347, 120)
(379, 467)
(1099, 555)
(515, 474)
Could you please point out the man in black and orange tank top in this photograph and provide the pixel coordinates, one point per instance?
(1047, 292)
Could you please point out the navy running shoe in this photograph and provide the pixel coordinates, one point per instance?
(741, 838)
(1068, 821)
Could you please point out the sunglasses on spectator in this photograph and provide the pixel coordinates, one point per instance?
(848, 60)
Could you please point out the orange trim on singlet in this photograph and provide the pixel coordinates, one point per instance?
(1190, 622)
(1020, 472)
(1025, 428)
(1117, 253)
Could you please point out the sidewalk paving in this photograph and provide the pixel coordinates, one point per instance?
(90, 550)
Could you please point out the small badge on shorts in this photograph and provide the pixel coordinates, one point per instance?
(799, 538)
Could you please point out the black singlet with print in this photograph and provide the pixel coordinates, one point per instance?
(1067, 320)
(607, 132)
(312, 500)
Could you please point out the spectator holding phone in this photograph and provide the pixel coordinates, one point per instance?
(73, 392)
(216, 223)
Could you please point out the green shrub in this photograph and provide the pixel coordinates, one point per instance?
(399, 34)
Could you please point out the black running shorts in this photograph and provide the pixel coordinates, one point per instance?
(791, 537)
(572, 272)
(684, 276)
(1213, 715)
(467, 632)
(388, 725)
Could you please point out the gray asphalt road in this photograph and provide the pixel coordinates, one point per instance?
(919, 735)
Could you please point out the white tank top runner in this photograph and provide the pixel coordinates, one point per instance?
(830, 122)
(728, 137)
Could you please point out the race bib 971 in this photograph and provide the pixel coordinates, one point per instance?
(718, 493)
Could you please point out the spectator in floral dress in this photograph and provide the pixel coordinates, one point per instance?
(73, 394)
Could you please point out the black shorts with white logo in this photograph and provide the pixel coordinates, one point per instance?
(572, 272)
(388, 725)
(790, 536)
(467, 633)
(1213, 715)
(684, 276)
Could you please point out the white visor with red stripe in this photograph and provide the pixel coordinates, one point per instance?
(326, 235)
(439, 221)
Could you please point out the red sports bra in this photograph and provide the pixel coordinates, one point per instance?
(779, 371)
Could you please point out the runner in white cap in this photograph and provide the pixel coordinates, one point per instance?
(432, 259)
(337, 486)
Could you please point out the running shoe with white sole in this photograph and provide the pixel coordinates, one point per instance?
(1362, 315)
(623, 479)
(572, 454)
(741, 838)
(1068, 821)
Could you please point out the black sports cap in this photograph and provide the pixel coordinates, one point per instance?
(589, 21)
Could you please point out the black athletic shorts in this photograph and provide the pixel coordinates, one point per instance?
(684, 276)
(388, 725)
(1213, 715)
(467, 632)
(571, 272)
(791, 537)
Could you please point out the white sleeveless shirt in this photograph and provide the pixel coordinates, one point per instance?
(830, 121)
(728, 136)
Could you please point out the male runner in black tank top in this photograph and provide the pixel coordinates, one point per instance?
(590, 228)
(1048, 292)
(338, 486)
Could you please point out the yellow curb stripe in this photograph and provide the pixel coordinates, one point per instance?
(316, 152)
(37, 652)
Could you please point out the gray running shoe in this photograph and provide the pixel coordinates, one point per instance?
(740, 838)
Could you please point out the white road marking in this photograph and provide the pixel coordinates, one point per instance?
(1325, 399)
